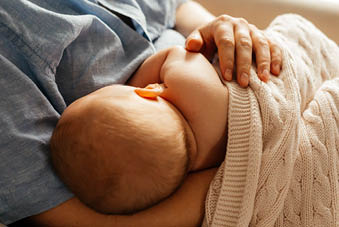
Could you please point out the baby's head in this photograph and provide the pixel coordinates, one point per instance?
(119, 152)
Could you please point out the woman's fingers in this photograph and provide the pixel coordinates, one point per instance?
(236, 40)
(268, 54)
(217, 34)
(224, 39)
(194, 42)
(262, 52)
(202, 40)
(276, 58)
(243, 43)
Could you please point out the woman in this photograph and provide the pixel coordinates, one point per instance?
(53, 52)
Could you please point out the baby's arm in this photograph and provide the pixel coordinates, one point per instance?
(149, 71)
(194, 87)
(152, 71)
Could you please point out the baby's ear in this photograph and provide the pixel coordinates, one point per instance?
(151, 91)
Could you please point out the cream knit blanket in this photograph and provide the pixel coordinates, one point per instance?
(282, 161)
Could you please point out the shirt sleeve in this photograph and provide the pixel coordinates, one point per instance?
(28, 184)
(159, 15)
(30, 105)
(154, 16)
(33, 42)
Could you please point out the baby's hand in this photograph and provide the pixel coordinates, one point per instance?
(235, 39)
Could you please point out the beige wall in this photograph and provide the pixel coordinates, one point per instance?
(323, 13)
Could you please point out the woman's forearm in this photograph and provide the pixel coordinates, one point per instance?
(184, 208)
(191, 15)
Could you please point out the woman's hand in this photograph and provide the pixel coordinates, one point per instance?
(235, 39)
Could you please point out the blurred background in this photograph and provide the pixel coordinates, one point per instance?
(323, 13)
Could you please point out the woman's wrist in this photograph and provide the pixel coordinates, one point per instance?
(191, 15)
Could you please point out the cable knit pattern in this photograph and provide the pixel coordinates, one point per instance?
(282, 161)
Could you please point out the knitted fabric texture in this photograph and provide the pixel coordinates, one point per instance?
(282, 160)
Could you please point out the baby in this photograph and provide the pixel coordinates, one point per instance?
(123, 148)
(282, 150)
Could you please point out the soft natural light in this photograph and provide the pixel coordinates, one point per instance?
(332, 4)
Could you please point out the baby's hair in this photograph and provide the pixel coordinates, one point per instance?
(113, 157)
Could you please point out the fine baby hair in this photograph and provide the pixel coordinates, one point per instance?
(119, 154)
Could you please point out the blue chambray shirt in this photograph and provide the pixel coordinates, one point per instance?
(51, 53)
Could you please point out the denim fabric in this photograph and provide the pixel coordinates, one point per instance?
(51, 53)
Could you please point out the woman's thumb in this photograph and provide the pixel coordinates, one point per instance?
(194, 41)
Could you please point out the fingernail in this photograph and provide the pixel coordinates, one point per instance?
(244, 79)
(228, 74)
(265, 75)
(192, 37)
(192, 44)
